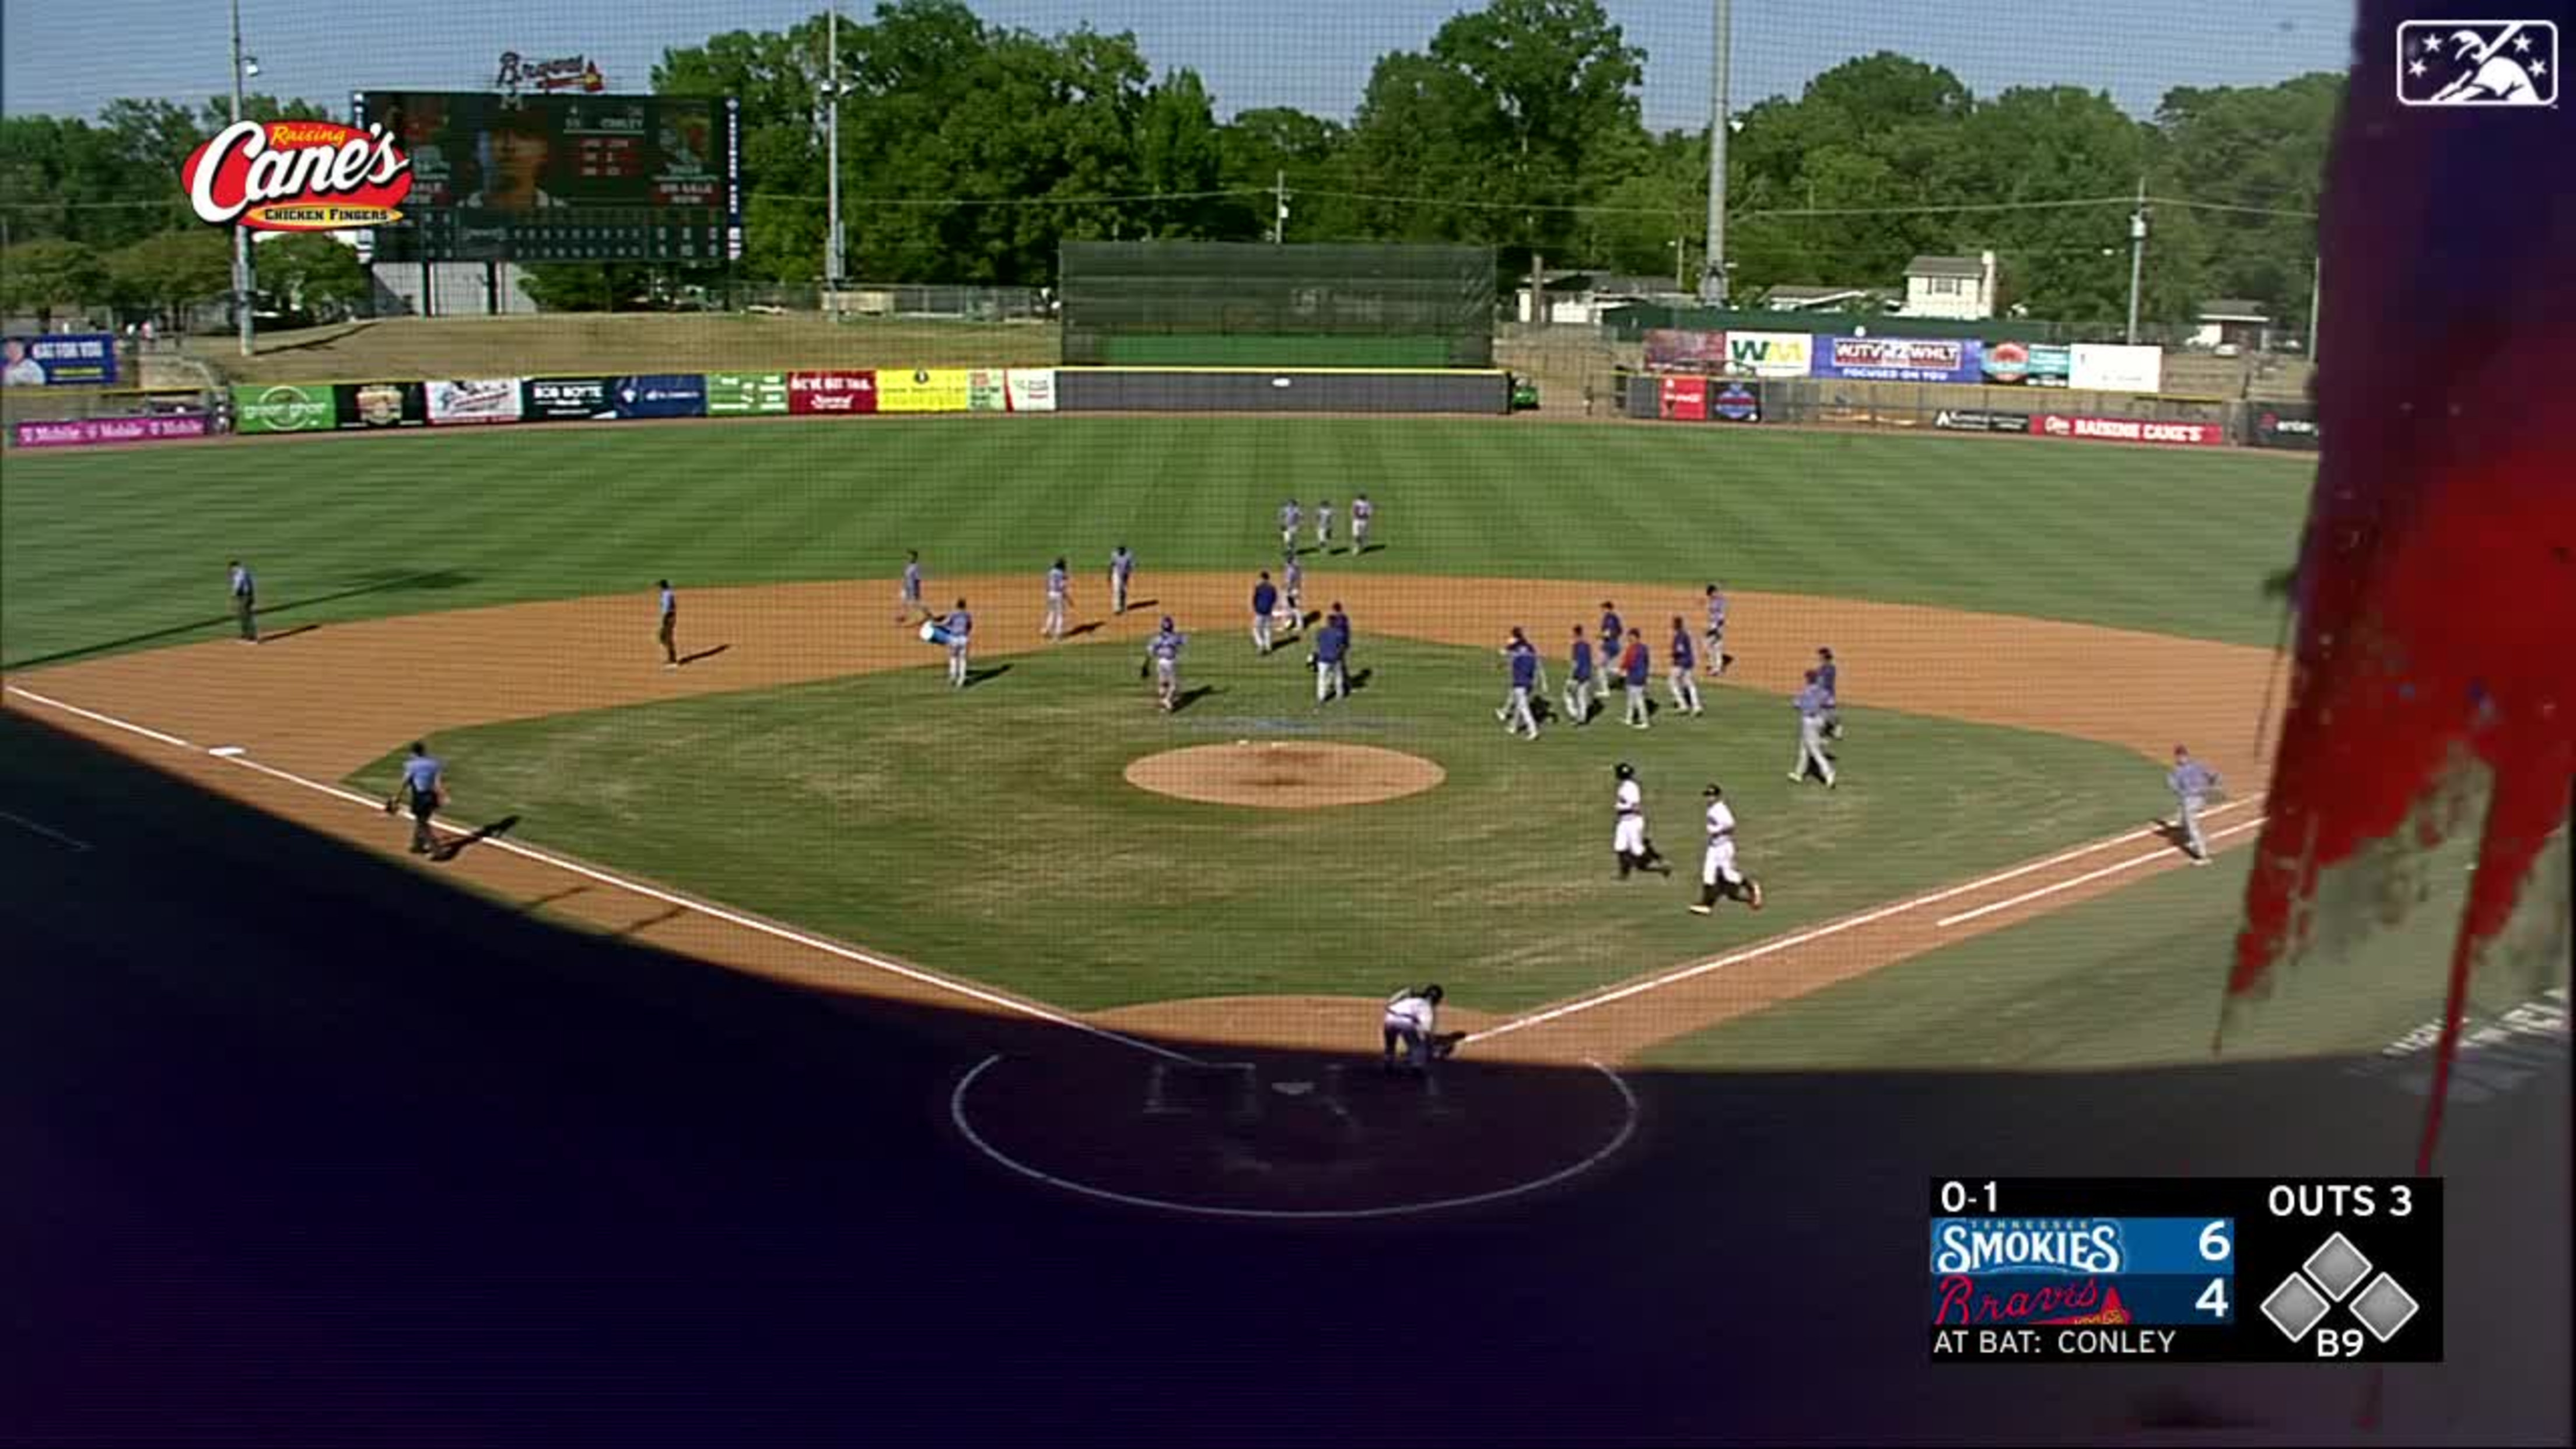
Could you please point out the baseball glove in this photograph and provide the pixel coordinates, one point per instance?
(389, 805)
(1143, 668)
(1445, 1043)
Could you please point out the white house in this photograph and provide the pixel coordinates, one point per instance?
(1959, 288)
(1578, 299)
(1800, 298)
(2231, 324)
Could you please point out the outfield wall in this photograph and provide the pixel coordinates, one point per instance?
(1316, 390)
(394, 404)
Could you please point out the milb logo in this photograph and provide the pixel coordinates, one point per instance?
(2477, 63)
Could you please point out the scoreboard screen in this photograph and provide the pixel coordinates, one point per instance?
(2257, 1270)
(561, 178)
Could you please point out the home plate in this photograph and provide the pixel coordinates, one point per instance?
(1292, 1089)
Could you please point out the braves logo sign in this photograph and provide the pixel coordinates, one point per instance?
(298, 176)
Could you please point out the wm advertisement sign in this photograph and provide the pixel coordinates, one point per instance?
(277, 408)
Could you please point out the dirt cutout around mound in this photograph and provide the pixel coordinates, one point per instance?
(1284, 774)
(295, 716)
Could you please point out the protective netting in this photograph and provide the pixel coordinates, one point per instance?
(1255, 305)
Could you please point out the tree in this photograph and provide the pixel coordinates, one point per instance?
(311, 274)
(1178, 152)
(172, 271)
(47, 275)
(2258, 147)
(1260, 147)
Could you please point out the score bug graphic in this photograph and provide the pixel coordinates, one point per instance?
(2213, 1269)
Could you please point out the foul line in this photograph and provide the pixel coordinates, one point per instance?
(1818, 933)
(750, 923)
(2089, 876)
(1627, 1129)
(47, 831)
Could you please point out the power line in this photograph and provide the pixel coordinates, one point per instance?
(1049, 200)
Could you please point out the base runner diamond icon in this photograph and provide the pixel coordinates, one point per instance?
(2337, 1266)
(2384, 1307)
(2295, 1307)
(2477, 63)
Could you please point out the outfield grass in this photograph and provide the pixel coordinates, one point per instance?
(2131, 978)
(991, 833)
(127, 548)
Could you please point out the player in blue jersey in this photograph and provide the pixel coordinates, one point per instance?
(1578, 680)
(1164, 653)
(2191, 782)
(1678, 676)
(1521, 657)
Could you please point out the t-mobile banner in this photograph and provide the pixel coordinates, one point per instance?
(474, 400)
(2128, 430)
(1899, 359)
(2109, 367)
(1684, 399)
(832, 394)
(91, 432)
(2284, 425)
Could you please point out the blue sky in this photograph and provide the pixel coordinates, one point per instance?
(72, 56)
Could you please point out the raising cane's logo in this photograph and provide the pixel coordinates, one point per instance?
(298, 176)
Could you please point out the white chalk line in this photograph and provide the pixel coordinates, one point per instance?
(1618, 1140)
(47, 831)
(1818, 933)
(234, 756)
(2088, 877)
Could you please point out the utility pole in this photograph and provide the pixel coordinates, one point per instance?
(243, 283)
(1712, 282)
(2137, 256)
(2316, 299)
(1279, 213)
(832, 227)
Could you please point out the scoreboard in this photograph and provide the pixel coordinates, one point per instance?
(2257, 1270)
(561, 178)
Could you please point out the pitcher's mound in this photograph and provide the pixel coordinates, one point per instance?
(1284, 774)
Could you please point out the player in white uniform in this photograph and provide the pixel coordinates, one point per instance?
(1362, 512)
(1059, 593)
(1164, 649)
(1411, 1015)
(1718, 866)
(1628, 838)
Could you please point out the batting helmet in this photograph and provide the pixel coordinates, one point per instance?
(1624, 770)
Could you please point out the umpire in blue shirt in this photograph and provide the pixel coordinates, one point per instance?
(424, 779)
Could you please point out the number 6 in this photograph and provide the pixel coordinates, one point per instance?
(2213, 1241)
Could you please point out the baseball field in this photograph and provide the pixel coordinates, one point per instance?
(2025, 630)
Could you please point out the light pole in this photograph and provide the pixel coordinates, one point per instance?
(1712, 282)
(243, 282)
(832, 228)
(2316, 298)
(2137, 256)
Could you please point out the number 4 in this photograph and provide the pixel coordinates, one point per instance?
(2213, 1299)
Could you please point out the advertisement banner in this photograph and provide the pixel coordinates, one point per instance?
(284, 408)
(1670, 349)
(2108, 367)
(922, 390)
(380, 404)
(2128, 430)
(2284, 425)
(1899, 359)
(1030, 389)
(474, 400)
(736, 394)
(1684, 399)
(1980, 420)
(57, 359)
(1769, 354)
(2027, 364)
(1734, 402)
(986, 392)
(91, 432)
(832, 394)
(565, 400)
(677, 395)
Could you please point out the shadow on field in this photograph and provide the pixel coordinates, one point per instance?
(710, 653)
(371, 583)
(569, 1188)
(477, 836)
(1193, 695)
(975, 677)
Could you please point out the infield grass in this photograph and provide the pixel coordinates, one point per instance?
(127, 549)
(990, 832)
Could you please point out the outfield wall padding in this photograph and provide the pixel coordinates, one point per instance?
(1188, 390)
